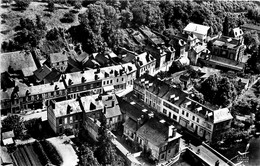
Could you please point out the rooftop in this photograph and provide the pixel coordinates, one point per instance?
(155, 132)
(144, 59)
(42, 72)
(209, 112)
(228, 42)
(251, 26)
(66, 107)
(19, 60)
(58, 57)
(197, 28)
(92, 103)
(111, 110)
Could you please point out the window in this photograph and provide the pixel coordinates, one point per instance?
(71, 119)
(169, 151)
(117, 80)
(174, 117)
(198, 120)
(191, 125)
(183, 112)
(76, 118)
(107, 81)
(104, 82)
(60, 121)
(193, 117)
(66, 121)
(52, 93)
(187, 114)
(162, 156)
(164, 111)
(122, 79)
(110, 81)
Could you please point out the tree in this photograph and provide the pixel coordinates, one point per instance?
(51, 6)
(226, 26)
(22, 4)
(126, 18)
(86, 156)
(15, 123)
(105, 152)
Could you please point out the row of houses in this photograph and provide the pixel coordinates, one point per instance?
(70, 85)
(72, 113)
(204, 120)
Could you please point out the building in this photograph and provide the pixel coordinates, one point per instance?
(164, 98)
(63, 115)
(204, 121)
(112, 111)
(19, 62)
(145, 62)
(175, 104)
(226, 54)
(73, 112)
(250, 27)
(23, 97)
(59, 61)
(200, 31)
(42, 72)
(150, 133)
(7, 138)
(237, 33)
(95, 81)
(160, 139)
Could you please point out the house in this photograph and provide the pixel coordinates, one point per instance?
(42, 72)
(63, 115)
(59, 61)
(195, 52)
(161, 139)
(226, 53)
(19, 61)
(23, 97)
(237, 33)
(159, 95)
(145, 62)
(112, 111)
(250, 27)
(150, 133)
(206, 122)
(200, 31)
(7, 138)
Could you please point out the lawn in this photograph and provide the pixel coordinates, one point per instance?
(66, 151)
(12, 17)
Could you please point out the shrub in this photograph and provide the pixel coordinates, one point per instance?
(68, 18)
(37, 147)
(51, 6)
(22, 4)
(52, 152)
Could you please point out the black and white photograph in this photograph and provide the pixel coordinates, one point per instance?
(130, 82)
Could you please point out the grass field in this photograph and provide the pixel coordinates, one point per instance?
(12, 17)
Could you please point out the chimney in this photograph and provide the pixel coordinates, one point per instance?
(96, 77)
(113, 103)
(138, 123)
(80, 103)
(70, 82)
(69, 109)
(56, 87)
(105, 110)
(83, 79)
(172, 96)
(92, 106)
(171, 131)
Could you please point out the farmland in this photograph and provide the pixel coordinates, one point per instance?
(34, 154)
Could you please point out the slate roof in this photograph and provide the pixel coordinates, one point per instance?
(251, 27)
(58, 57)
(221, 115)
(155, 132)
(93, 100)
(42, 72)
(130, 124)
(111, 111)
(133, 111)
(144, 59)
(197, 28)
(61, 108)
(19, 60)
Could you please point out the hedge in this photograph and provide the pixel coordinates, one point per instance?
(37, 147)
(51, 152)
